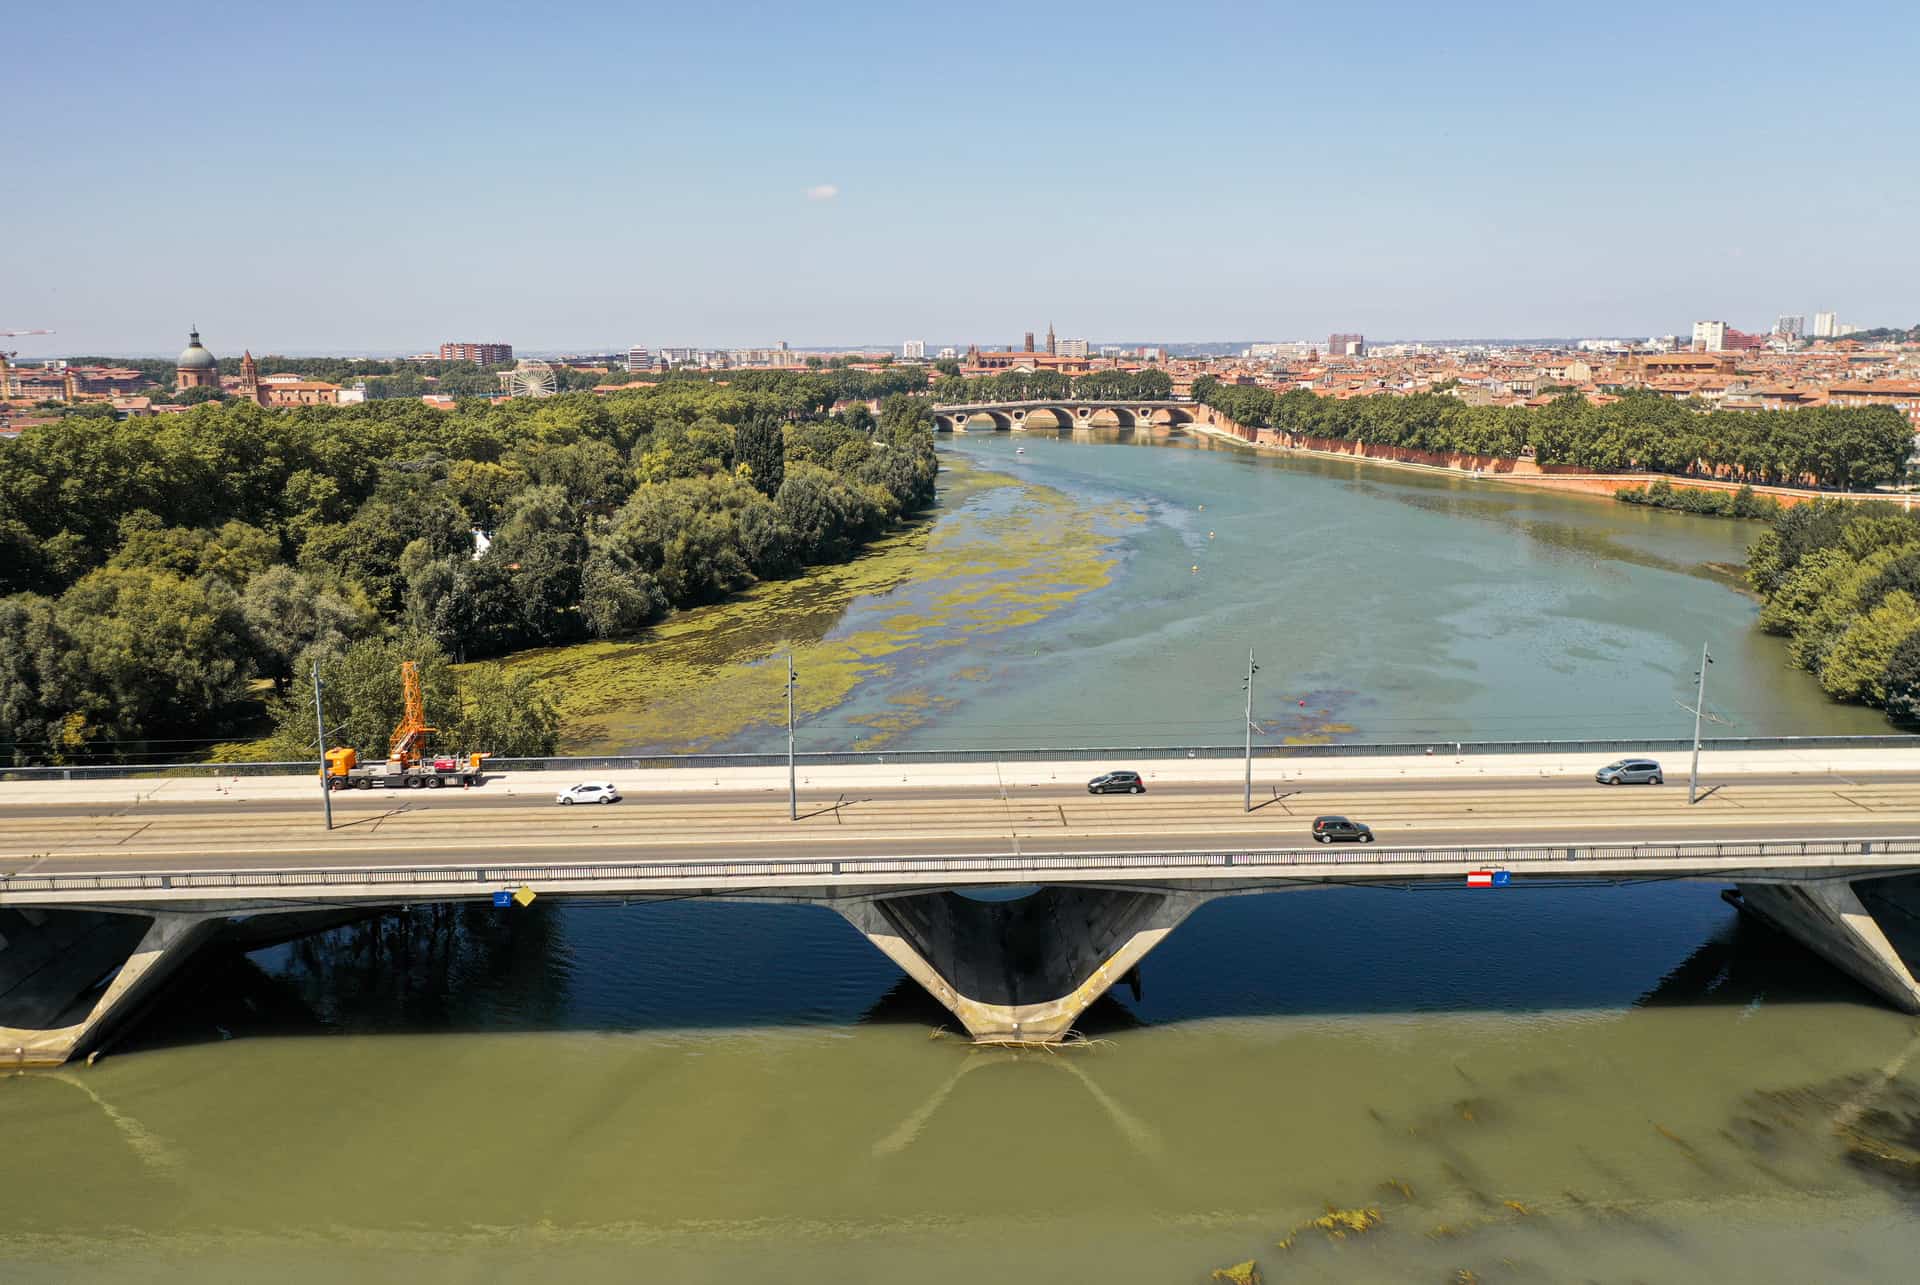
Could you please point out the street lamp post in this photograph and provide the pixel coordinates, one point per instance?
(1246, 801)
(320, 728)
(793, 778)
(1699, 710)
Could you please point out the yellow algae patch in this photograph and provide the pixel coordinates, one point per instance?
(998, 552)
(1247, 1273)
(1338, 1224)
(916, 708)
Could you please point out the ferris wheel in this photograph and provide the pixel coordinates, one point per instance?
(531, 378)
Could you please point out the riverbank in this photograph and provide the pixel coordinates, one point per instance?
(1516, 472)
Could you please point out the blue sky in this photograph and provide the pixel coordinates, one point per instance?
(376, 177)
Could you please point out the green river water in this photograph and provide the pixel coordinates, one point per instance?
(1613, 1084)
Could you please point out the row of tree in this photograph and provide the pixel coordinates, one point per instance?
(1040, 385)
(830, 383)
(155, 570)
(1841, 581)
(1821, 446)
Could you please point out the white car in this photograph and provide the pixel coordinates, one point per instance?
(598, 792)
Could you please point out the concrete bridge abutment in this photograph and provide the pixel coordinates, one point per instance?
(1021, 971)
(52, 1004)
(1867, 928)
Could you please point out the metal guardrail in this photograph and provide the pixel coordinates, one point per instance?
(1019, 754)
(483, 879)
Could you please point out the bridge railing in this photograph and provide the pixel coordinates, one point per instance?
(1018, 754)
(481, 879)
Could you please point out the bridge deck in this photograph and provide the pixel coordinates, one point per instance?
(1825, 845)
(942, 818)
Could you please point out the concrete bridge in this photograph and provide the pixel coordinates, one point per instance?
(1069, 414)
(107, 886)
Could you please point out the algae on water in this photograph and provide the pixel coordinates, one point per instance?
(997, 553)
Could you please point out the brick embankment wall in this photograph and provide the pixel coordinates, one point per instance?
(1558, 477)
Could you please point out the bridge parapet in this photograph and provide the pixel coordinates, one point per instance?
(244, 890)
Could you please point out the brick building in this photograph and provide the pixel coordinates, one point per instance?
(478, 354)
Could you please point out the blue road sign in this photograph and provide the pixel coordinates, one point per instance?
(1502, 878)
(501, 900)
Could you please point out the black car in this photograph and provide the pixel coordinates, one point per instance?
(1340, 830)
(1117, 783)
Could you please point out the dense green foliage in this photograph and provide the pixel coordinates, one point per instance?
(384, 378)
(482, 707)
(1888, 334)
(829, 384)
(1842, 582)
(1662, 494)
(158, 569)
(1827, 446)
(1037, 385)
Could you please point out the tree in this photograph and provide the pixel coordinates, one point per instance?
(1900, 680)
(504, 712)
(232, 554)
(541, 543)
(154, 654)
(481, 613)
(1855, 668)
(820, 511)
(760, 445)
(617, 595)
(1840, 601)
(33, 697)
(295, 617)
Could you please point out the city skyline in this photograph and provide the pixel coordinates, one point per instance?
(1275, 175)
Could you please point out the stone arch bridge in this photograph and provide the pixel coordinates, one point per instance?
(1067, 414)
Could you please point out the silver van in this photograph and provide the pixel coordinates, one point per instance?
(1630, 772)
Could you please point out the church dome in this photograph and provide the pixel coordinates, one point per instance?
(195, 357)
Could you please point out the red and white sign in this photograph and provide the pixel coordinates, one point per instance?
(1479, 878)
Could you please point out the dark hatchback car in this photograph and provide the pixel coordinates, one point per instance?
(1340, 830)
(1117, 783)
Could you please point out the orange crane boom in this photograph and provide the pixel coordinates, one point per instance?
(412, 731)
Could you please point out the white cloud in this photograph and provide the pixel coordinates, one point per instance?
(822, 192)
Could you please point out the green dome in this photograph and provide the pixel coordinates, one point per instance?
(195, 357)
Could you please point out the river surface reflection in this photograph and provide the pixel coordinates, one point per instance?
(1610, 1083)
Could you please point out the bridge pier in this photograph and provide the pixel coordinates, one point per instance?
(1020, 971)
(54, 960)
(1867, 928)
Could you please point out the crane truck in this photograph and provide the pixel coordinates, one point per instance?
(407, 766)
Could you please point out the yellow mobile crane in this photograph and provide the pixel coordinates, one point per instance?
(406, 765)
